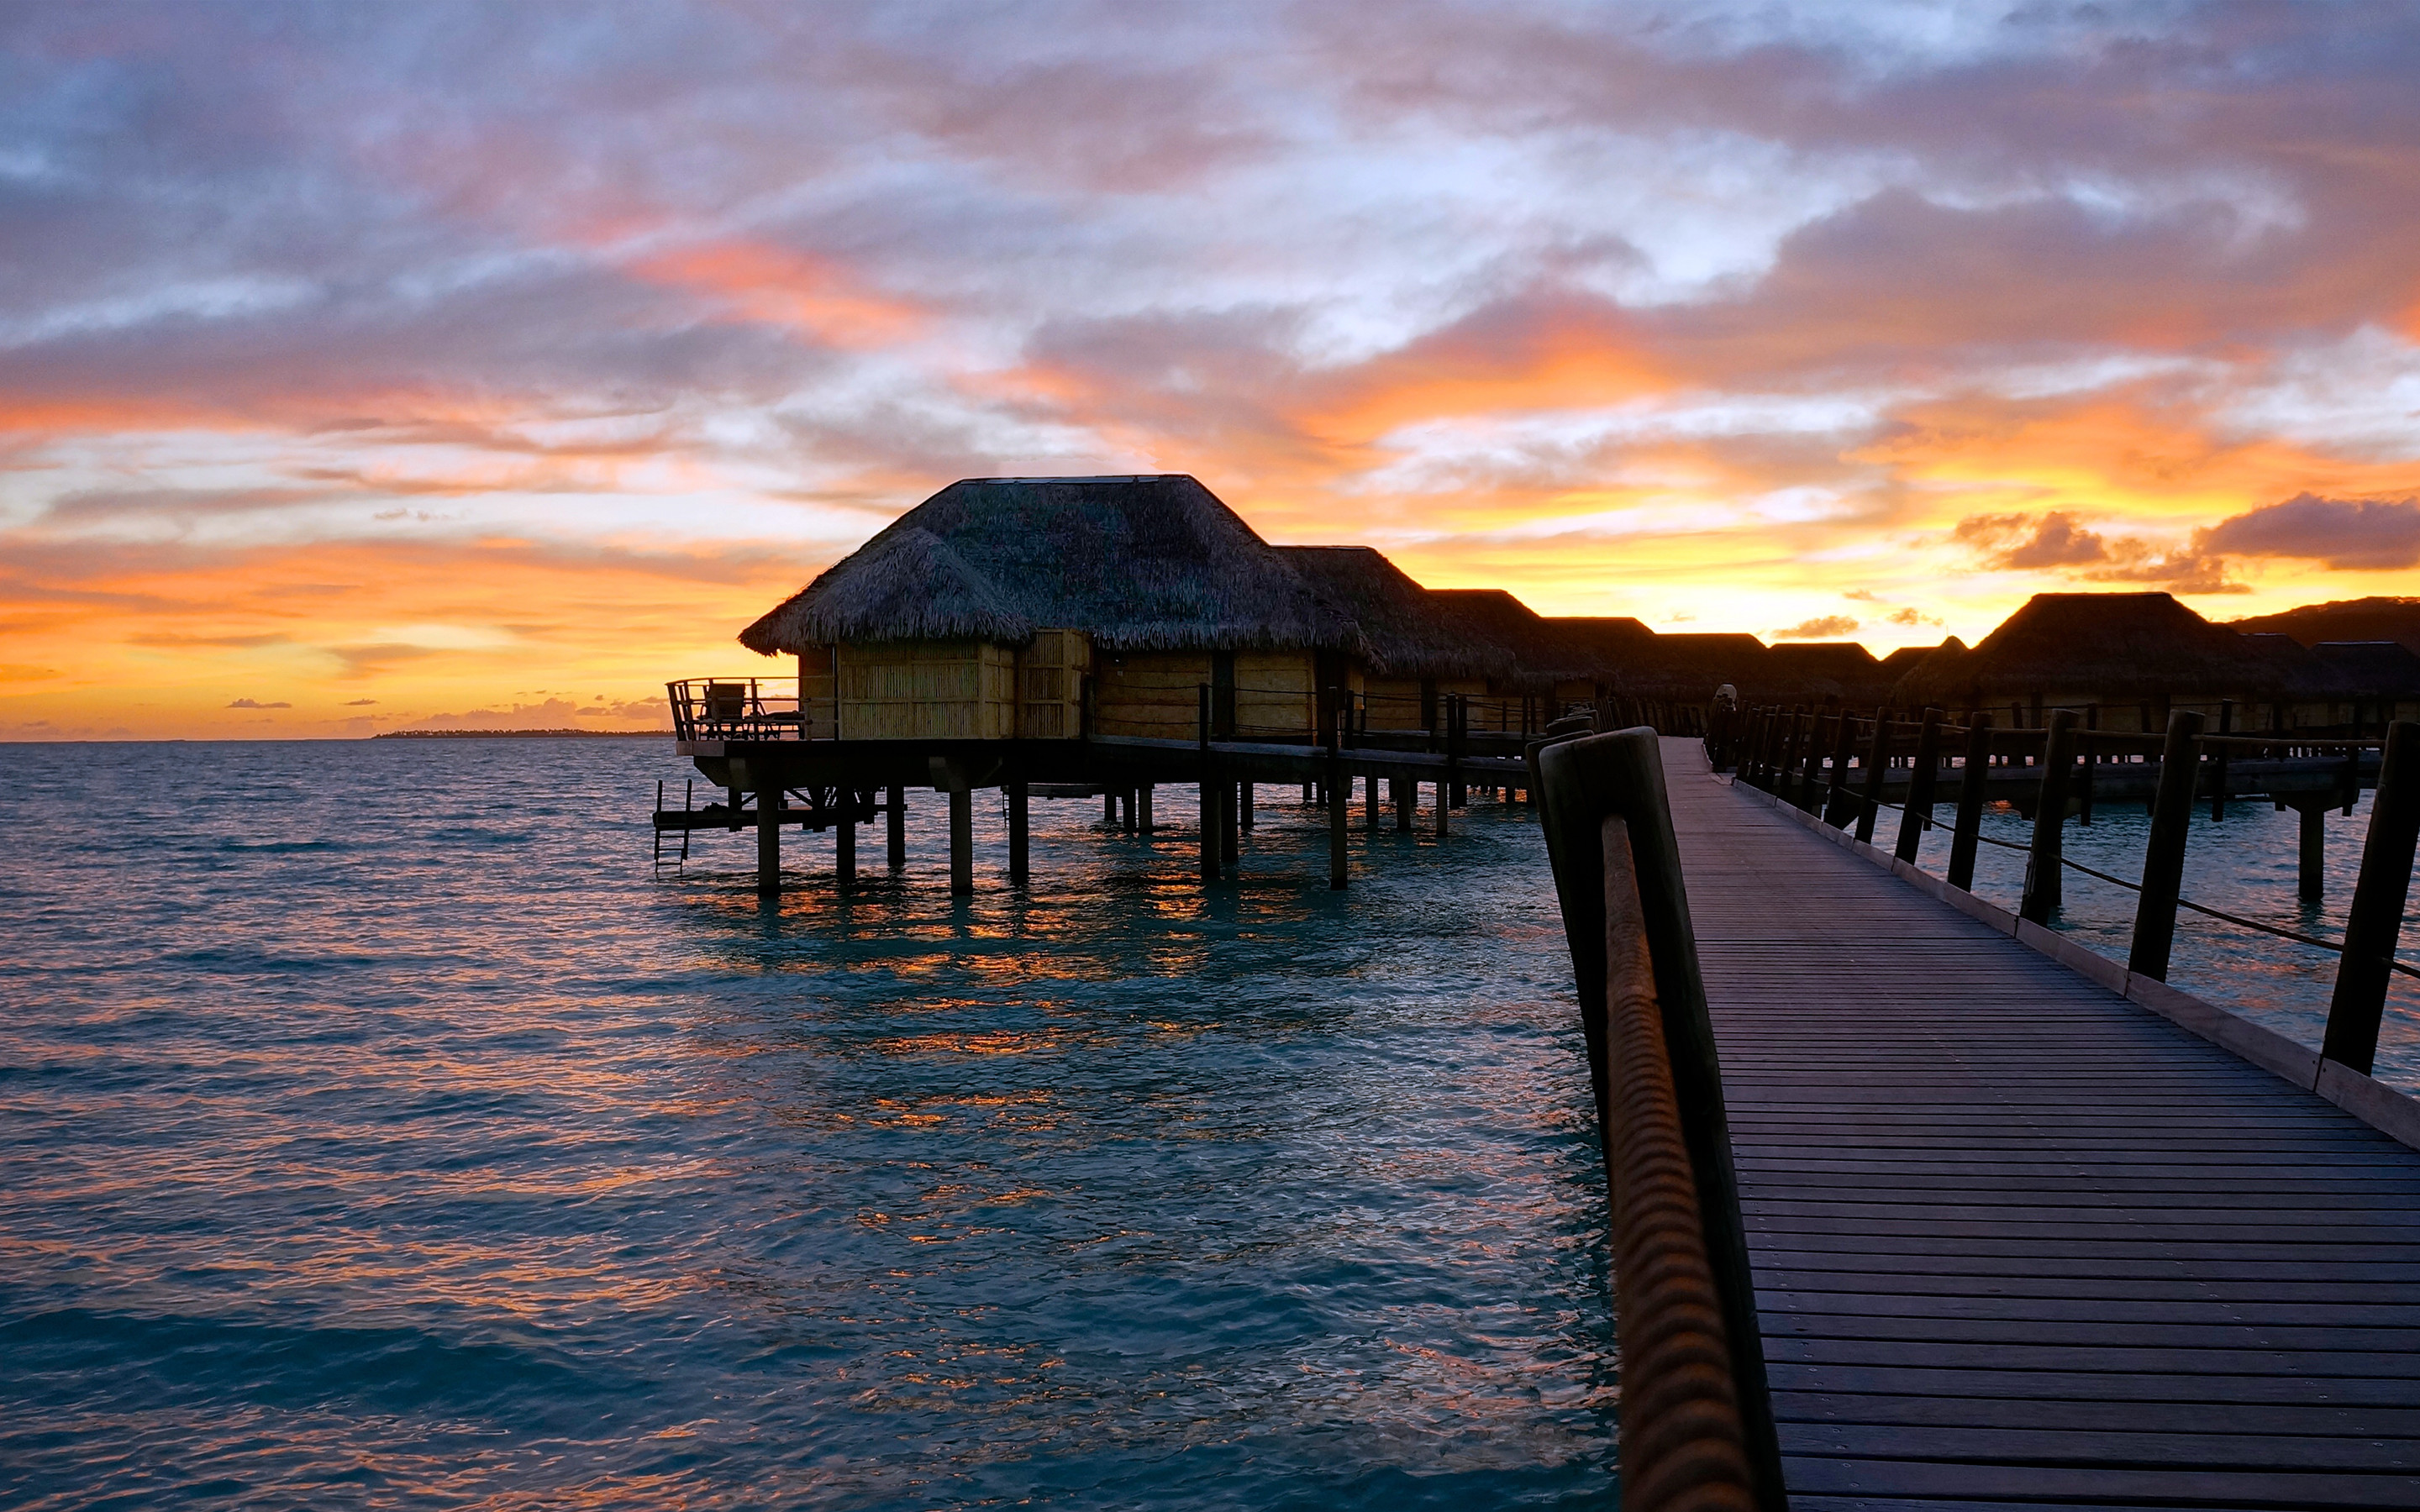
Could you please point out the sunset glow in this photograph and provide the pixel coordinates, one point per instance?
(390, 368)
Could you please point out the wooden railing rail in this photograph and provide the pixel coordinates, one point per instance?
(1697, 1417)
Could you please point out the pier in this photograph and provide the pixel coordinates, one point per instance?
(1981, 1219)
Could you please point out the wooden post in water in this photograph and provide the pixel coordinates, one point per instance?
(1369, 804)
(1109, 807)
(2092, 759)
(2312, 855)
(2218, 760)
(2164, 856)
(1869, 804)
(1974, 782)
(962, 839)
(1206, 780)
(894, 804)
(2374, 924)
(2043, 890)
(1019, 815)
(1244, 807)
(1339, 798)
(844, 841)
(1408, 798)
(768, 841)
(1922, 778)
(1142, 808)
(1230, 843)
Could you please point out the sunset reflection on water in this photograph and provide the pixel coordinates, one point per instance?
(378, 1130)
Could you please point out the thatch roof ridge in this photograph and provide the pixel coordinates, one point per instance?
(1137, 561)
(1407, 633)
(1541, 653)
(2132, 644)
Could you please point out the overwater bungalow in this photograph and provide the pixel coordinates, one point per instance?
(997, 605)
(1419, 651)
(2125, 661)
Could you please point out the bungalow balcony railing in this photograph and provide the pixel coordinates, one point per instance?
(744, 708)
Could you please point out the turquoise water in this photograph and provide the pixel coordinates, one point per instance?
(376, 1131)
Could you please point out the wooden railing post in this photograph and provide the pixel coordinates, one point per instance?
(1869, 804)
(1922, 778)
(1810, 752)
(2375, 925)
(2164, 856)
(1972, 786)
(1616, 868)
(1837, 798)
(2043, 892)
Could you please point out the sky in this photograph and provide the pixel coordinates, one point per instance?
(430, 366)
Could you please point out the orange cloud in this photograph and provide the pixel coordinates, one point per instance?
(775, 285)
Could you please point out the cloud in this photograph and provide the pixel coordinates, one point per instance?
(1911, 615)
(359, 703)
(252, 703)
(2344, 534)
(2021, 541)
(1819, 628)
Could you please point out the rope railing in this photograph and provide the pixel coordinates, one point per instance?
(1697, 1428)
(1784, 752)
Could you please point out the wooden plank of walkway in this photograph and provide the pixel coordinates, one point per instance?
(2019, 1241)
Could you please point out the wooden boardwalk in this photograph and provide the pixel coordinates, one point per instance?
(2019, 1241)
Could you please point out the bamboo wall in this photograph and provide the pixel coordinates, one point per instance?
(927, 690)
(1051, 684)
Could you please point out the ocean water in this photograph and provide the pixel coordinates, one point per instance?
(377, 1130)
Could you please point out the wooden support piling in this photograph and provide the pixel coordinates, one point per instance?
(1869, 803)
(2311, 873)
(1142, 808)
(962, 841)
(1339, 790)
(1209, 784)
(2218, 760)
(1244, 807)
(2164, 856)
(768, 841)
(1020, 834)
(1407, 799)
(1369, 804)
(845, 842)
(1922, 780)
(2374, 924)
(894, 804)
(1973, 783)
(2044, 870)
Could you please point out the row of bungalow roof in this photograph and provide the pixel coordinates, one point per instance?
(1004, 606)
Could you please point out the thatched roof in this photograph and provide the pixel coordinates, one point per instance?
(1609, 646)
(2371, 669)
(1945, 655)
(1690, 667)
(2114, 645)
(1542, 655)
(1136, 563)
(1823, 672)
(1410, 632)
(1902, 661)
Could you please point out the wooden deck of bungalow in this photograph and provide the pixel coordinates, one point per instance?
(2018, 1241)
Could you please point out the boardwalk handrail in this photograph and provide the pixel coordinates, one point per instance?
(1697, 1417)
